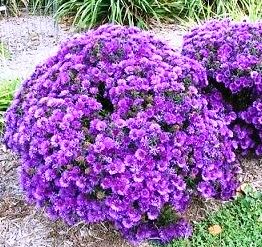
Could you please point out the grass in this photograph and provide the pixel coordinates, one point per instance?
(14, 6)
(91, 13)
(7, 90)
(47, 6)
(4, 52)
(196, 13)
(240, 220)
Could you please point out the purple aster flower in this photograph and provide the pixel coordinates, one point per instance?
(206, 189)
(153, 213)
(140, 154)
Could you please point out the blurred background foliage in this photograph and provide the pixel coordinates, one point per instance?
(91, 13)
(7, 91)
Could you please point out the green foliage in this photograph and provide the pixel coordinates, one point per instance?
(194, 11)
(43, 5)
(7, 90)
(4, 52)
(246, 9)
(35, 6)
(89, 13)
(14, 6)
(241, 223)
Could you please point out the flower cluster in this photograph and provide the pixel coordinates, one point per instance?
(232, 55)
(112, 128)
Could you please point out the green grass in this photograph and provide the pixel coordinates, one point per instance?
(7, 90)
(14, 6)
(246, 9)
(47, 6)
(91, 13)
(4, 52)
(241, 223)
(195, 12)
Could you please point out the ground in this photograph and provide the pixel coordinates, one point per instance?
(30, 40)
(236, 224)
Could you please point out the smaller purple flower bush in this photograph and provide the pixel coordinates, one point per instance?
(113, 128)
(232, 55)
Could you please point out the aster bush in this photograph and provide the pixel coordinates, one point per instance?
(112, 128)
(232, 55)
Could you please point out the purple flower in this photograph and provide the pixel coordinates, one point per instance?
(232, 62)
(140, 154)
(153, 213)
(206, 189)
(116, 166)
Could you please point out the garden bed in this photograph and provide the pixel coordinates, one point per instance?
(23, 224)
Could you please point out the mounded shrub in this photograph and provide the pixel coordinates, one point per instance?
(112, 128)
(232, 55)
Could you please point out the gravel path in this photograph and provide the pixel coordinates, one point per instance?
(29, 40)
